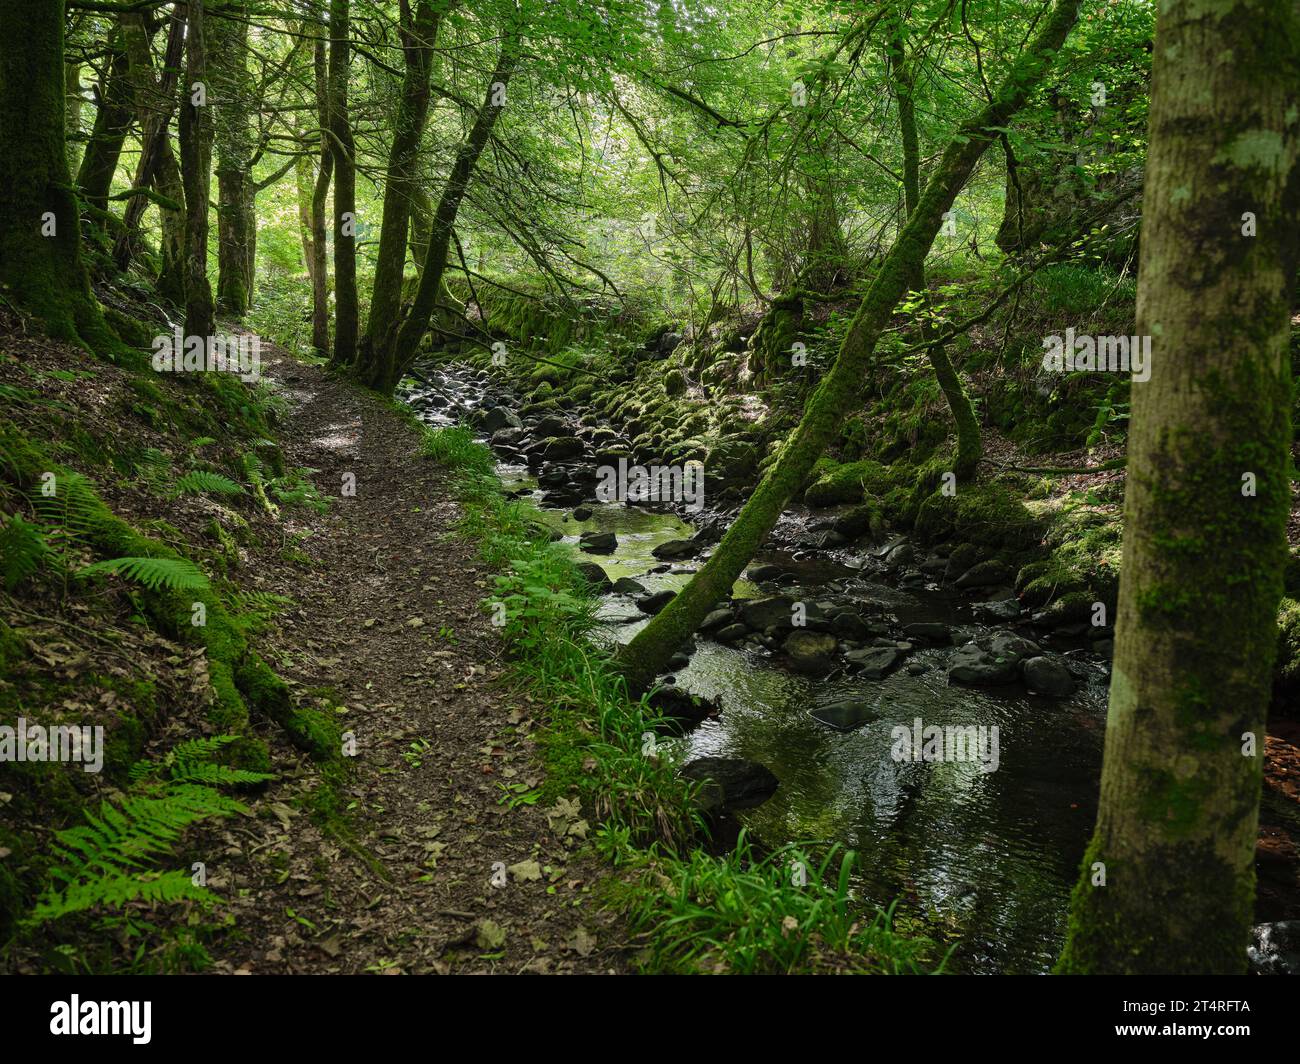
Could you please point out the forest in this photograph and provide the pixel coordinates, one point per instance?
(649, 487)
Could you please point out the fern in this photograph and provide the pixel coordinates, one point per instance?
(174, 574)
(200, 481)
(111, 859)
(193, 762)
(22, 550)
(202, 441)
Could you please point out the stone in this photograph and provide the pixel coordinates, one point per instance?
(594, 575)
(973, 665)
(730, 783)
(598, 542)
(562, 448)
(499, 418)
(847, 715)
(986, 574)
(731, 633)
(874, 662)
(715, 619)
(625, 585)
(993, 612)
(775, 611)
(850, 625)
(1046, 677)
(581, 513)
(675, 549)
(766, 571)
(930, 631)
(655, 603)
(810, 652)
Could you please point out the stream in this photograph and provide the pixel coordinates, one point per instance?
(986, 858)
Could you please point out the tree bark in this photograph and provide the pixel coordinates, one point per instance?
(236, 191)
(385, 367)
(113, 117)
(320, 276)
(196, 175)
(649, 651)
(42, 274)
(401, 185)
(970, 446)
(346, 313)
(1203, 553)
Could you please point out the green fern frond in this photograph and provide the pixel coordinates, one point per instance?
(201, 481)
(117, 889)
(22, 550)
(175, 574)
(202, 441)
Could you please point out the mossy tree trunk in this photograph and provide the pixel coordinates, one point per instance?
(155, 100)
(196, 173)
(401, 184)
(649, 651)
(970, 447)
(385, 367)
(113, 115)
(346, 314)
(236, 191)
(41, 268)
(320, 271)
(1206, 504)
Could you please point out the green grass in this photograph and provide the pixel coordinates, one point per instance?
(697, 912)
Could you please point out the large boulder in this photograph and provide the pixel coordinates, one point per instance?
(774, 611)
(1044, 676)
(973, 665)
(656, 601)
(874, 662)
(594, 575)
(562, 449)
(675, 549)
(598, 542)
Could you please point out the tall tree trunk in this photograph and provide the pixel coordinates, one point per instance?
(196, 174)
(402, 181)
(171, 247)
(320, 276)
(649, 651)
(1206, 504)
(385, 367)
(236, 191)
(72, 78)
(155, 99)
(113, 117)
(41, 269)
(304, 178)
(970, 446)
(346, 314)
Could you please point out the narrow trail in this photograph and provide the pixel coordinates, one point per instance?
(388, 625)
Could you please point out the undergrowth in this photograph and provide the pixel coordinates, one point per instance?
(695, 912)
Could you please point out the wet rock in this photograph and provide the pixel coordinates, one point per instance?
(682, 709)
(811, 652)
(675, 549)
(716, 619)
(775, 611)
(594, 575)
(847, 715)
(916, 668)
(598, 542)
(993, 612)
(548, 427)
(852, 523)
(655, 602)
(625, 585)
(874, 662)
(499, 418)
(930, 631)
(973, 665)
(1275, 948)
(731, 633)
(986, 574)
(1046, 677)
(850, 625)
(766, 571)
(563, 448)
(901, 555)
(679, 661)
(581, 513)
(935, 566)
(730, 783)
(1015, 647)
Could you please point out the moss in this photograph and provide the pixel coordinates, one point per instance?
(989, 515)
(846, 483)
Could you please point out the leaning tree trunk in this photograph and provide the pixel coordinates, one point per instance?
(113, 115)
(41, 268)
(196, 174)
(970, 446)
(1168, 884)
(401, 183)
(385, 367)
(649, 651)
(346, 314)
